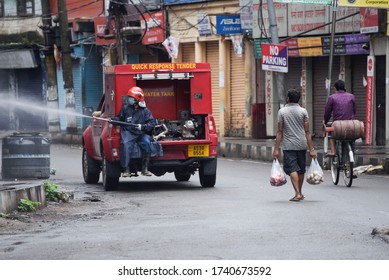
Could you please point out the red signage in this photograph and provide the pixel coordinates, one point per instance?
(101, 39)
(275, 57)
(153, 27)
(369, 100)
(369, 20)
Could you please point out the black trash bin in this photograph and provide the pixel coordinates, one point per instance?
(25, 155)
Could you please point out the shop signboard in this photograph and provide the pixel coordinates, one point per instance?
(313, 2)
(204, 25)
(261, 20)
(383, 4)
(177, 2)
(101, 38)
(228, 24)
(369, 20)
(246, 15)
(346, 44)
(153, 24)
(275, 57)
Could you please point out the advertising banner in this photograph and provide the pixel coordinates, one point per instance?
(101, 39)
(275, 57)
(228, 25)
(313, 2)
(383, 4)
(369, 20)
(261, 20)
(246, 15)
(154, 26)
(303, 18)
(204, 25)
(369, 99)
(346, 44)
(176, 2)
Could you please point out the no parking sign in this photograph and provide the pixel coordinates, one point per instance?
(275, 57)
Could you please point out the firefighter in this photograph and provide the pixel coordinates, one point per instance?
(140, 123)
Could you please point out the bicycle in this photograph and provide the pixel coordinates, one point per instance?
(343, 159)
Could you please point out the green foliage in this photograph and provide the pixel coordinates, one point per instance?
(53, 194)
(4, 215)
(26, 205)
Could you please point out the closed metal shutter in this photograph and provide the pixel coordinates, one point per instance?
(77, 85)
(93, 83)
(188, 52)
(293, 77)
(212, 49)
(30, 92)
(238, 95)
(358, 71)
(4, 94)
(320, 72)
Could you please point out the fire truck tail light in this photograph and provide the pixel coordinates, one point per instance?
(211, 124)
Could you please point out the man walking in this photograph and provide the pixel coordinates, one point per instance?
(294, 136)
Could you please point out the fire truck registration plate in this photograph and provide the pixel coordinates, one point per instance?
(198, 150)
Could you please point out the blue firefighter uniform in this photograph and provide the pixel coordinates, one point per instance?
(131, 134)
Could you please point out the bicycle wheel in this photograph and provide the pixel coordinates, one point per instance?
(335, 169)
(347, 165)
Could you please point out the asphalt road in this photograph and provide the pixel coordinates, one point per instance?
(242, 217)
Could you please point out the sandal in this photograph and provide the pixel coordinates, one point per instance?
(295, 199)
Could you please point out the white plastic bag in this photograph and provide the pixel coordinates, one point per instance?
(315, 173)
(277, 174)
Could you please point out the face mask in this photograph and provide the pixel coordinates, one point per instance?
(131, 100)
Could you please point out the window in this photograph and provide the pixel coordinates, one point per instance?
(25, 8)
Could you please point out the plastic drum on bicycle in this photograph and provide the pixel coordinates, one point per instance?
(348, 130)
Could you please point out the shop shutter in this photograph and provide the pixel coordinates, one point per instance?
(30, 92)
(212, 56)
(293, 77)
(77, 85)
(358, 71)
(188, 52)
(238, 95)
(320, 72)
(93, 84)
(4, 94)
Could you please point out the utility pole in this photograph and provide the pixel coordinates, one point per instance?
(331, 58)
(70, 104)
(275, 40)
(51, 80)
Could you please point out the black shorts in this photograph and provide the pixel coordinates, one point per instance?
(294, 161)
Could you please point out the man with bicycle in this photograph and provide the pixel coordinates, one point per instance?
(342, 106)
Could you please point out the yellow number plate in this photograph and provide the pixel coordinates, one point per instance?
(198, 150)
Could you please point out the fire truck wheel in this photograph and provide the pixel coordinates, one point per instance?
(90, 168)
(109, 183)
(206, 181)
(182, 176)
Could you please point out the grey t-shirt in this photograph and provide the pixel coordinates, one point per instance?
(293, 117)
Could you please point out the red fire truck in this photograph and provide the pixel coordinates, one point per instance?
(180, 98)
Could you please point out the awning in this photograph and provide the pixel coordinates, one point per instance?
(17, 59)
